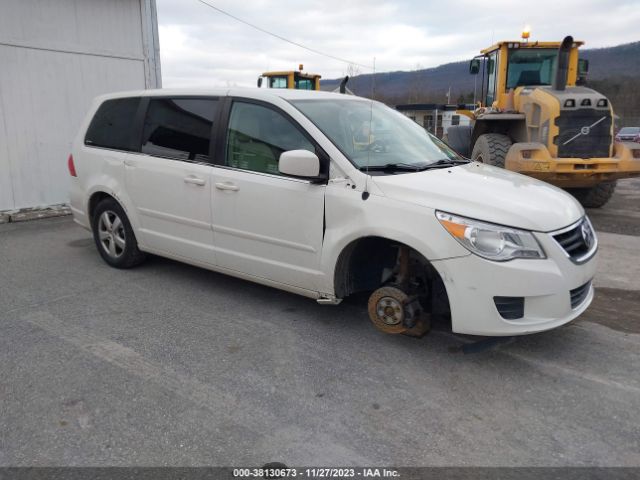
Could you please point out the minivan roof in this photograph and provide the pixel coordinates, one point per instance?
(266, 93)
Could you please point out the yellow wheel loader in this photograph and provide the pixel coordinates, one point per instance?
(537, 118)
(291, 79)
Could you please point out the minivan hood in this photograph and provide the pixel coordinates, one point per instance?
(486, 193)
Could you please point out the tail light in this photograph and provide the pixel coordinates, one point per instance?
(72, 167)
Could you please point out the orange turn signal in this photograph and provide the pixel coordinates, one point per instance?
(455, 229)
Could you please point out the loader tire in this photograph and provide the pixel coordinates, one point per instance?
(491, 148)
(594, 197)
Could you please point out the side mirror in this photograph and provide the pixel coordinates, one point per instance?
(583, 67)
(474, 66)
(299, 163)
(259, 82)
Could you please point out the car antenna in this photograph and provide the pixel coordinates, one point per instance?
(365, 192)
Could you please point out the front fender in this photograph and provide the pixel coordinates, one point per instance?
(349, 218)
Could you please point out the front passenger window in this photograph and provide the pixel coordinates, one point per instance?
(258, 135)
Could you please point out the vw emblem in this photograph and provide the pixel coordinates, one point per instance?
(585, 130)
(587, 234)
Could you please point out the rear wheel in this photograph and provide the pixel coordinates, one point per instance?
(491, 148)
(114, 236)
(594, 197)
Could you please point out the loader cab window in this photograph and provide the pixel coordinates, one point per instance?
(303, 83)
(492, 72)
(278, 82)
(531, 66)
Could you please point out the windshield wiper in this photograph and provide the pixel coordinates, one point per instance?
(447, 162)
(393, 167)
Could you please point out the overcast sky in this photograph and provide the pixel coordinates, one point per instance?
(201, 47)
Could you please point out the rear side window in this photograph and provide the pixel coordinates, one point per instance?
(179, 128)
(112, 125)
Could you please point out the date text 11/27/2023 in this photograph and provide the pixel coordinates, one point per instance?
(284, 472)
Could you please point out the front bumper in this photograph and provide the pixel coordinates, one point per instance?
(573, 172)
(472, 283)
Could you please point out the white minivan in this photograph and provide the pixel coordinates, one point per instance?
(327, 195)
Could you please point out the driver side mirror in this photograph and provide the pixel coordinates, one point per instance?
(474, 66)
(300, 163)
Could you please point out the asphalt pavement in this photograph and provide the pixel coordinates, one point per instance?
(169, 364)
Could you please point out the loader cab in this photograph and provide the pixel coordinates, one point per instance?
(297, 80)
(506, 66)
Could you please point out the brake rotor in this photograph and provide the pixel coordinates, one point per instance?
(386, 309)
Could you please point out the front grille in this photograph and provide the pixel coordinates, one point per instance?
(580, 136)
(578, 242)
(510, 308)
(578, 295)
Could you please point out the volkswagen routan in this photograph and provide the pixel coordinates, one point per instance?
(328, 195)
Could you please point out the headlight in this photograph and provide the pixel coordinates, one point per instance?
(490, 241)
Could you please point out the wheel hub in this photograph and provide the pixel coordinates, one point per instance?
(111, 234)
(387, 309)
(390, 311)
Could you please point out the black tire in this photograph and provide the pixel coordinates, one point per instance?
(114, 236)
(458, 137)
(594, 197)
(491, 148)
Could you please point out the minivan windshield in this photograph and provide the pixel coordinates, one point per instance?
(629, 131)
(374, 136)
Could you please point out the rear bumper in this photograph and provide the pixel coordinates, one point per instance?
(546, 286)
(573, 172)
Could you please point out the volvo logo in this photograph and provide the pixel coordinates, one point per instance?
(586, 130)
(587, 234)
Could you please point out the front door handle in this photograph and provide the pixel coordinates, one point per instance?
(193, 180)
(227, 186)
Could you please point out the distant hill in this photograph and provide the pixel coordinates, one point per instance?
(615, 71)
(410, 86)
(620, 61)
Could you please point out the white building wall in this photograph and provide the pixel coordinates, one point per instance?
(55, 56)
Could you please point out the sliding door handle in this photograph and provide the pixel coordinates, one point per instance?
(227, 186)
(193, 180)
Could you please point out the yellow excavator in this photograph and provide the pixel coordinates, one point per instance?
(291, 79)
(537, 118)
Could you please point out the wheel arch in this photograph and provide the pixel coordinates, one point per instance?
(363, 262)
(516, 130)
(99, 193)
(94, 200)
